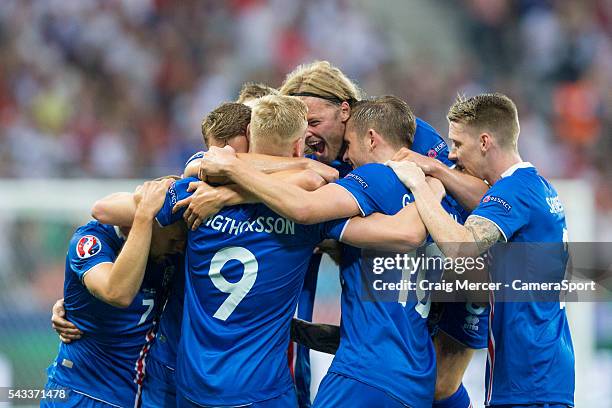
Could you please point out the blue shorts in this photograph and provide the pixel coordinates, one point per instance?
(286, 400)
(467, 323)
(339, 391)
(159, 386)
(72, 400)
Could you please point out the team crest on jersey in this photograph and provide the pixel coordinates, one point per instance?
(497, 200)
(88, 246)
(432, 153)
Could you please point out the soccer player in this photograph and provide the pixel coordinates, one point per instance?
(401, 368)
(112, 290)
(533, 364)
(236, 323)
(329, 94)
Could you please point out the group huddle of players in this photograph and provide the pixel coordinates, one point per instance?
(183, 293)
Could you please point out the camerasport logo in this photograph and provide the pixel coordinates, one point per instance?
(88, 246)
(497, 200)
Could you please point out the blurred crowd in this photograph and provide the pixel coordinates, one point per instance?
(118, 88)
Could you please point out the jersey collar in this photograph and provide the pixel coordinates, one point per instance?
(515, 167)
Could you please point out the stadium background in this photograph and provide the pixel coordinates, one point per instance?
(96, 92)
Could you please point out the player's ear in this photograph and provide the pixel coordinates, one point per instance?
(345, 111)
(373, 139)
(298, 147)
(248, 133)
(485, 141)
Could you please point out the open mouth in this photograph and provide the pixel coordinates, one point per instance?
(315, 144)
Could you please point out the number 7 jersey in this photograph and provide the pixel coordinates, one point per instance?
(245, 268)
(107, 363)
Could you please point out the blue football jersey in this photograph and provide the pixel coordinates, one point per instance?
(168, 334)
(428, 142)
(530, 352)
(245, 270)
(107, 363)
(383, 344)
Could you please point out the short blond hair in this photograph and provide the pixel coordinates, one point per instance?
(254, 90)
(278, 120)
(322, 80)
(493, 112)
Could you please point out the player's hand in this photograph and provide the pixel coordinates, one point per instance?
(330, 247)
(66, 330)
(203, 203)
(216, 162)
(408, 172)
(427, 164)
(436, 187)
(150, 198)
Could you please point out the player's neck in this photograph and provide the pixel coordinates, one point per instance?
(499, 164)
(383, 154)
(270, 151)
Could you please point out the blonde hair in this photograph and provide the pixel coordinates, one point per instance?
(494, 112)
(323, 80)
(254, 90)
(277, 120)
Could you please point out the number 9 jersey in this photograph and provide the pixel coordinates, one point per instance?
(245, 268)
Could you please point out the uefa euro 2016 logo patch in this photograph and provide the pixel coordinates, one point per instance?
(88, 246)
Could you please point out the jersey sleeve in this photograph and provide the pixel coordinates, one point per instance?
(176, 192)
(505, 206)
(369, 185)
(428, 142)
(89, 248)
(195, 156)
(334, 229)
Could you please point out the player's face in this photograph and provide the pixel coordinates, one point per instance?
(465, 150)
(239, 143)
(355, 152)
(325, 129)
(168, 241)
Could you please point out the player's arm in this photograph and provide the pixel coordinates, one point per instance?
(316, 336)
(118, 283)
(65, 329)
(269, 165)
(115, 209)
(454, 240)
(401, 232)
(395, 233)
(304, 207)
(207, 201)
(466, 189)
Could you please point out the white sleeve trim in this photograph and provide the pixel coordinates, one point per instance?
(87, 271)
(354, 198)
(343, 229)
(494, 223)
